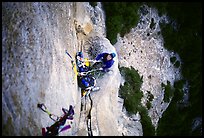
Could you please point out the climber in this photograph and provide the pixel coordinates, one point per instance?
(86, 81)
(53, 130)
(87, 84)
(107, 59)
(59, 122)
(82, 63)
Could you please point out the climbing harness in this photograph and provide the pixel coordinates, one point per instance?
(90, 71)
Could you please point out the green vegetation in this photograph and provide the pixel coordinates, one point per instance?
(147, 127)
(177, 64)
(173, 60)
(150, 97)
(93, 4)
(152, 24)
(120, 18)
(183, 35)
(132, 95)
(148, 105)
(168, 91)
(174, 121)
(130, 92)
(178, 91)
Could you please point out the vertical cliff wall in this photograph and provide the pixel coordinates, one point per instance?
(35, 68)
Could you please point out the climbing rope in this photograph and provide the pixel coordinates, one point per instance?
(89, 119)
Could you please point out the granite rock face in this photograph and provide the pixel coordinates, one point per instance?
(35, 68)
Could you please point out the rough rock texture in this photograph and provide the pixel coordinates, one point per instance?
(143, 49)
(35, 68)
(104, 112)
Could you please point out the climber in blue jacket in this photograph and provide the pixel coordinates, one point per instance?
(107, 59)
